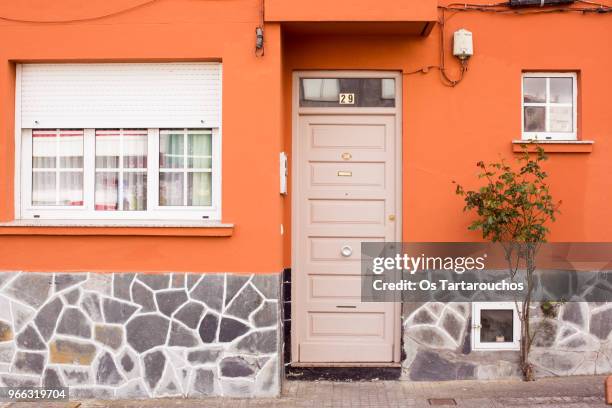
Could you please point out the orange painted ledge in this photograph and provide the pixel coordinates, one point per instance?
(116, 228)
(569, 146)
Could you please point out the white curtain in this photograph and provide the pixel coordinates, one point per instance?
(57, 167)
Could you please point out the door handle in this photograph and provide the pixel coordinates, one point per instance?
(346, 251)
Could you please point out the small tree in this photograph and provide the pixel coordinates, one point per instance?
(513, 208)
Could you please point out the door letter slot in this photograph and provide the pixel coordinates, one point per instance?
(346, 307)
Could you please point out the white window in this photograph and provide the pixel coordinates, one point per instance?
(495, 326)
(170, 169)
(549, 106)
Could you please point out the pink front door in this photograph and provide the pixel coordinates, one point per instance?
(346, 192)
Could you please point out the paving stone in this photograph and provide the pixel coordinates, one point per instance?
(147, 331)
(237, 367)
(107, 373)
(116, 311)
(267, 315)
(143, 296)
(51, 379)
(128, 362)
(18, 381)
(245, 303)
(90, 303)
(30, 288)
(576, 313)
(234, 283)
(259, 342)
(601, 323)
(168, 386)
(229, 329)
(430, 366)
(181, 336)
(5, 309)
(155, 282)
(204, 356)
(72, 297)
(7, 351)
(111, 336)
(423, 316)
(99, 282)
(71, 352)
(74, 322)
(268, 379)
(169, 301)
(6, 332)
(453, 325)
(268, 285)
(47, 318)
(210, 291)
(75, 376)
(21, 315)
(178, 280)
(29, 339)
(192, 279)
(190, 314)
(121, 285)
(66, 280)
(29, 363)
(154, 364)
(203, 383)
(132, 390)
(208, 328)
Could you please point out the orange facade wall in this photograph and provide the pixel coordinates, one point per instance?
(164, 30)
(447, 130)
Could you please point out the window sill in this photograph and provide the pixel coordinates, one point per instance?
(555, 146)
(125, 228)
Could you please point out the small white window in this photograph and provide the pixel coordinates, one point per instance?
(549, 106)
(495, 326)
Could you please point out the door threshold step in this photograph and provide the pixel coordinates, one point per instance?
(345, 374)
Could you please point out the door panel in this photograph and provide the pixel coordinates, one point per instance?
(345, 195)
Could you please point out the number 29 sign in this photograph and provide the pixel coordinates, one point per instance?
(347, 99)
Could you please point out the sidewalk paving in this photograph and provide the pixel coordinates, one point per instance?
(567, 392)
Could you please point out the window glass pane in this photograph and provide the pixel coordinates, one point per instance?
(367, 92)
(44, 149)
(43, 188)
(171, 150)
(107, 191)
(199, 150)
(134, 191)
(121, 149)
(171, 188)
(108, 148)
(135, 148)
(71, 188)
(561, 90)
(71, 149)
(535, 119)
(561, 119)
(497, 326)
(534, 90)
(56, 151)
(199, 189)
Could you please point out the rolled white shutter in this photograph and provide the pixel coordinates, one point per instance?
(134, 95)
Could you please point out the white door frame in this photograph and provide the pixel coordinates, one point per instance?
(295, 113)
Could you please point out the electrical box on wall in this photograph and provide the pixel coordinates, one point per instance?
(463, 47)
(283, 173)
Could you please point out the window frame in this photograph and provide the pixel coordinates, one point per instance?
(547, 135)
(86, 212)
(477, 345)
